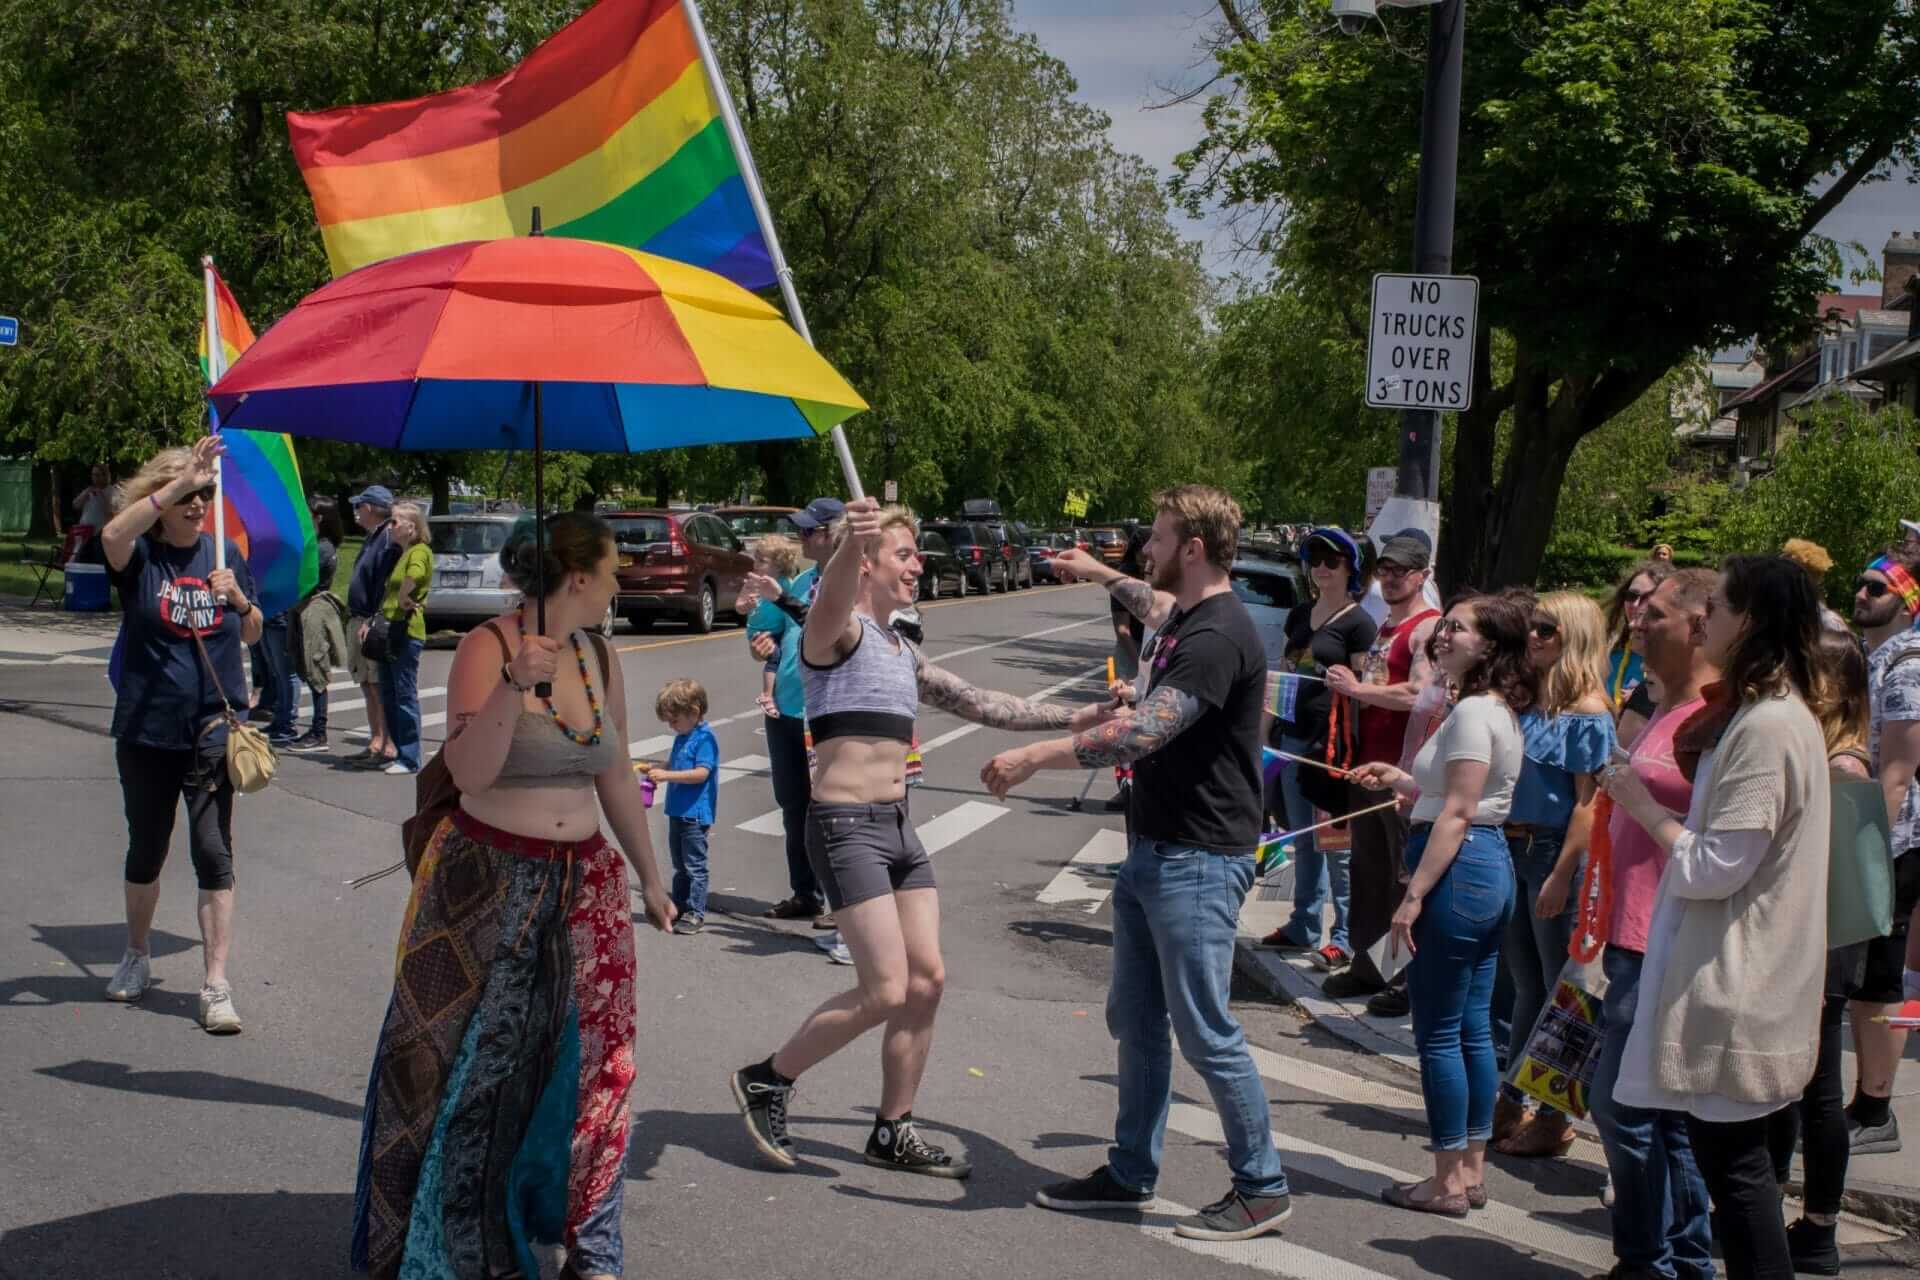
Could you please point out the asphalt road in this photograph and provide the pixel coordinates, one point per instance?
(131, 1144)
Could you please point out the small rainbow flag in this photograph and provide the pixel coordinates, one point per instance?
(611, 127)
(266, 504)
(1271, 763)
(1272, 854)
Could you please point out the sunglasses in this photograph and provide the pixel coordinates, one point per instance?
(205, 495)
(1872, 586)
(1387, 570)
(1545, 628)
(1323, 559)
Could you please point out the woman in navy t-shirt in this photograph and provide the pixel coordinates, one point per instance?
(164, 567)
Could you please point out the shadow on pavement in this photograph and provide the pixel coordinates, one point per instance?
(51, 988)
(100, 946)
(719, 1136)
(206, 1236)
(198, 1086)
(1469, 1258)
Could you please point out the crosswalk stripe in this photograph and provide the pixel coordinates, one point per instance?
(426, 722)
(356, 704)
(771, 823)
(1076, 884)
(741, 767)
(1343, 1168)
(956, 823)
(1273, 1254)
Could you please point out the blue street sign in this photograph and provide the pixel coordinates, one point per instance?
(9, 331)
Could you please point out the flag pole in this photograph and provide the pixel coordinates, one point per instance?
(751, 176)
(216, 369)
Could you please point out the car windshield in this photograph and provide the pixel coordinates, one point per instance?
(639, 531)
(751, 524)
(468, 537)
(1265, 589)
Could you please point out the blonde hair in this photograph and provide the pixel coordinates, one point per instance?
(898, 517)
(779, 553)
(414, 514)
(1206, 513)
(681, 697)
(1582, 668)
(1810, 556)
(162, 469)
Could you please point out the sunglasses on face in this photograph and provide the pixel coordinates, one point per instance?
(1872, 586)
(204, 495)
(1319, 559)
(1393, 571)
(1545, 628)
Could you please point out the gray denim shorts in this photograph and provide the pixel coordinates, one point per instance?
(861, 851)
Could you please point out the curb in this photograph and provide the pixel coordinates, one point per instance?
(1897, 1208)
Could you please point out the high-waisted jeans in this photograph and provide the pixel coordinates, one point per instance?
(1456, 944)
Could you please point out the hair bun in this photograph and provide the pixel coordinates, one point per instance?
(575, 542)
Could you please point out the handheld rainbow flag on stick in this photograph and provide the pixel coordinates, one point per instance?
(262, 505)
(1272, 854)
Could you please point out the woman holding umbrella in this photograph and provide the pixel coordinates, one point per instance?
(513, 1006)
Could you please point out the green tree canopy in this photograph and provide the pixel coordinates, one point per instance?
(1638, 180)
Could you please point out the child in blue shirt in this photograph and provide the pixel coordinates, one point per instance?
(692, 776)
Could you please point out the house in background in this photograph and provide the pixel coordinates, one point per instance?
(1859, 334)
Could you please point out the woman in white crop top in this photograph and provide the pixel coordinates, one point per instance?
(1457, 904)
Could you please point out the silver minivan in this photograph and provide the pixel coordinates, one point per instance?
(468, 587)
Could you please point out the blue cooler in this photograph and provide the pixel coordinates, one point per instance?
(87, 588)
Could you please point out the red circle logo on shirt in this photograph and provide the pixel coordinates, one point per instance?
(188, 605)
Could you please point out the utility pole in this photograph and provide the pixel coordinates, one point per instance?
(1433, 223)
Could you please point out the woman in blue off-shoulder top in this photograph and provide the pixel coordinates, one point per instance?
(1568, 739)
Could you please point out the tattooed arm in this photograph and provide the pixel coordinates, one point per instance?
(1165, 714)
(948, 692)
(1133, 595)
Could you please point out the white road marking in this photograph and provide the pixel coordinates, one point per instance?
(741, 767)
(956, 823)
(426, 722)
(1076, 884)
(356, 704)
(645, 748)
(1273, 1254)
(771, 823)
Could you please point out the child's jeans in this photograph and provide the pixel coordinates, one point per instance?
(687, 845)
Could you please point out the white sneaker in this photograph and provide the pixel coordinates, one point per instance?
(840, 955)
(216, 1011)
(131, 980)
(397, 767)
(827, 941)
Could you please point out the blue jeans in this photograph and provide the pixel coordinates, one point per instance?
(1659, 1196)
(687, 845)
(319, 724)
(1456, 948)
(1535, 950)
(1313, 872)
(400, 696)
(1175, 910)
(276, 690)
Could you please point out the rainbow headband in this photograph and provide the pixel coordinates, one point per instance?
(1900, 580)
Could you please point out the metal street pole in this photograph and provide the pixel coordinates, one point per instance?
(1433, 223)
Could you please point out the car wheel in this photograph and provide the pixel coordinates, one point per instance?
(703, 615)
(609, 623)
(930, 587)
(961, 590)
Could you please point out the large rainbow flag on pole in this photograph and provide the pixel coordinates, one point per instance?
(263, 505)
(611, 127)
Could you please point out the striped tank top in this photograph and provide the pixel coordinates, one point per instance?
(873, 692)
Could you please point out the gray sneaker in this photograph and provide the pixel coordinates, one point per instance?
(131, 980)
(1238, 1217)
(216, 1011)
(838, 954)
(1874, 1140)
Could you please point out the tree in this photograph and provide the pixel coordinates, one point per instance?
(1639, 180)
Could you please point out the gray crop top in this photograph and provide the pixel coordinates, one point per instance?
(542, 756)
(873, 692)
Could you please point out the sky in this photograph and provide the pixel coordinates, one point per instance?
(1131, 54)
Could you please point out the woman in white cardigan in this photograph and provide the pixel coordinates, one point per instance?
(1728, 1021)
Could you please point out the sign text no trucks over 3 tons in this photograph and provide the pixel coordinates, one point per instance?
(1420, 342)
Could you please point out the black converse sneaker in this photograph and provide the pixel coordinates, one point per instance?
(762, 1096)
(896, 1144)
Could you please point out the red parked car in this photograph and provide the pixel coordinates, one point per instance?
(685, 564)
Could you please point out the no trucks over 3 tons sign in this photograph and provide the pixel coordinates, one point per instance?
(1420, 344)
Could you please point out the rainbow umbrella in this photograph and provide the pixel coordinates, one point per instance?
(534, 342)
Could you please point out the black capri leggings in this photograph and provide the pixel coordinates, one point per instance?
(153, 781)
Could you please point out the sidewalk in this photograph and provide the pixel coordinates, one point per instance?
(52, 635)
(1883, 1188)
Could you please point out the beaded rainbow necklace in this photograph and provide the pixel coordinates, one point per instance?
(591, 739)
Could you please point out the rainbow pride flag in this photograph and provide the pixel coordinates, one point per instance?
(266, 505)
(611, 127)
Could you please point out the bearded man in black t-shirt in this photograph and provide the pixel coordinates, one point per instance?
(1194, 823)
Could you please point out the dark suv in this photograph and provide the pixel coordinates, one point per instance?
(981, 553)
(685, 563)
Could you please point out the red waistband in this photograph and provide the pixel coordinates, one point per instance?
(524, 846)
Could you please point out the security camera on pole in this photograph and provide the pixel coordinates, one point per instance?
(1432, 306)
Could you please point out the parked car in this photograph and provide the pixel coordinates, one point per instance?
(468, 585)
(1042, 550)
(1269, 589)
(749, 523)
(685, 564)
(1010, 540)
(941, 572)
(1109, 543)
(978, 552)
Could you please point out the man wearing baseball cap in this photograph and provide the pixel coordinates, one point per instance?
(1391, 677)
(372, 511)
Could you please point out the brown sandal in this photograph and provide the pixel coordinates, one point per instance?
(1400, 1196)
(1509, 1117)
(1546, 1136)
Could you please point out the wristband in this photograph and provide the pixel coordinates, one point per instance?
(506, 674)
(156, 504)
(241, 613)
